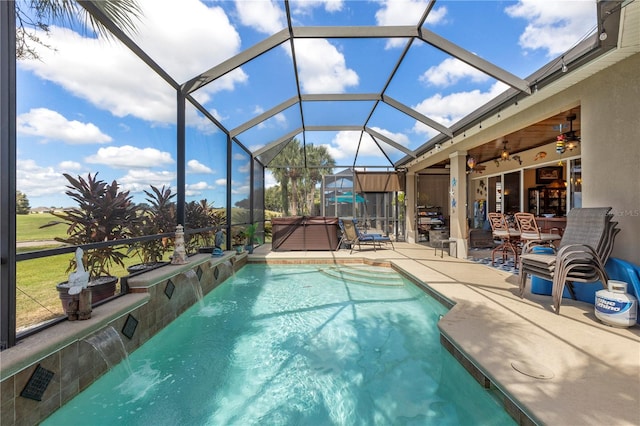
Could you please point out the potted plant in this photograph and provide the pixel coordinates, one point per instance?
(250, 237)
(158, 217)
(239, 241)
(208, 218)
(104, 213)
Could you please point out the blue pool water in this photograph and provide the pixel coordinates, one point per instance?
(292, 345)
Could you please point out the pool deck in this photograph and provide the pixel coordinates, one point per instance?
(577, 371)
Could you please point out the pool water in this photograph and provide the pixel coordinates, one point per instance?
(294, 345)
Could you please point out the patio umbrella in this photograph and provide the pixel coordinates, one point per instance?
(347, 197)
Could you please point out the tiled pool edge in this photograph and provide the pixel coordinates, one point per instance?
(62, 350)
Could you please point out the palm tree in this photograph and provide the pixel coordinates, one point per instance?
(289, 168)
(38, 14)
(287, 171)
(323, 163)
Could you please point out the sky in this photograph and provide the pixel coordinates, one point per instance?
(89, 105)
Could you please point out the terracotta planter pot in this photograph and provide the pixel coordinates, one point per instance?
(101, 288)
(143, 267)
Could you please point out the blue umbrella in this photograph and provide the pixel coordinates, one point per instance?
(347, 197)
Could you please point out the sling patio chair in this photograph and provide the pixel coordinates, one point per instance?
(509, 238)
(352, 236)
(530, 233)
(582, 253)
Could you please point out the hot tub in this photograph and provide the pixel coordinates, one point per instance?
(318, 233)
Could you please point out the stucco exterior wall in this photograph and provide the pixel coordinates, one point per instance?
(611, 149)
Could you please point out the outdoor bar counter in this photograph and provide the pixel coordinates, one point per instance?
(552, 224)
(305, 233)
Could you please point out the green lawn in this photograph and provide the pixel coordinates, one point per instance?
(36, 294)
(36, 279)
(28, 227)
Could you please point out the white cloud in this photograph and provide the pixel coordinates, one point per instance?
(406, 12)
(67, 166)
(264, 16)
(51, 125)
(109, 76)
(128, 156)
(269, 180)
(139, 180)
(450, 71)
(322, 67)
(553, 25)
(400, 138)
(194, 166)
(448, 109)
(186, 50)
(221, 182)
(34, 180)
(197, 188)
(242, 189)
(240, 156)
(306, 6)
(245, 168)
(82, 66)
(345, 144)
(278, 120)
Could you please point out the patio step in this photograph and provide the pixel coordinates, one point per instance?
(369, 275)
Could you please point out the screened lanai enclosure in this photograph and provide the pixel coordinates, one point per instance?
(212, 110)
(374, 199)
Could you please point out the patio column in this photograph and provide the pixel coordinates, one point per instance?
(458, 202)
(410, 203)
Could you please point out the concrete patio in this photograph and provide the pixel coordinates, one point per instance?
(567, 369)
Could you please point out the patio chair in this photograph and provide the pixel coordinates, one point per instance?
(530, 233)
(509, 237)
(583, 251)
(352, 235)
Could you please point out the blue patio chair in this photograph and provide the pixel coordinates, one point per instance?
(352, 235)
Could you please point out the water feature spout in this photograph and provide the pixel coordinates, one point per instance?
(229, 265)
(192, 278)
(108, 343)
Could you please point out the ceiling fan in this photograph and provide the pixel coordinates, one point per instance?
(567, 140)
(571, 134)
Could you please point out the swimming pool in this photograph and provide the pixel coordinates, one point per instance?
(284, 345)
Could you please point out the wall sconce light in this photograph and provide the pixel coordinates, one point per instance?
(504, 155)
(471, 162)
